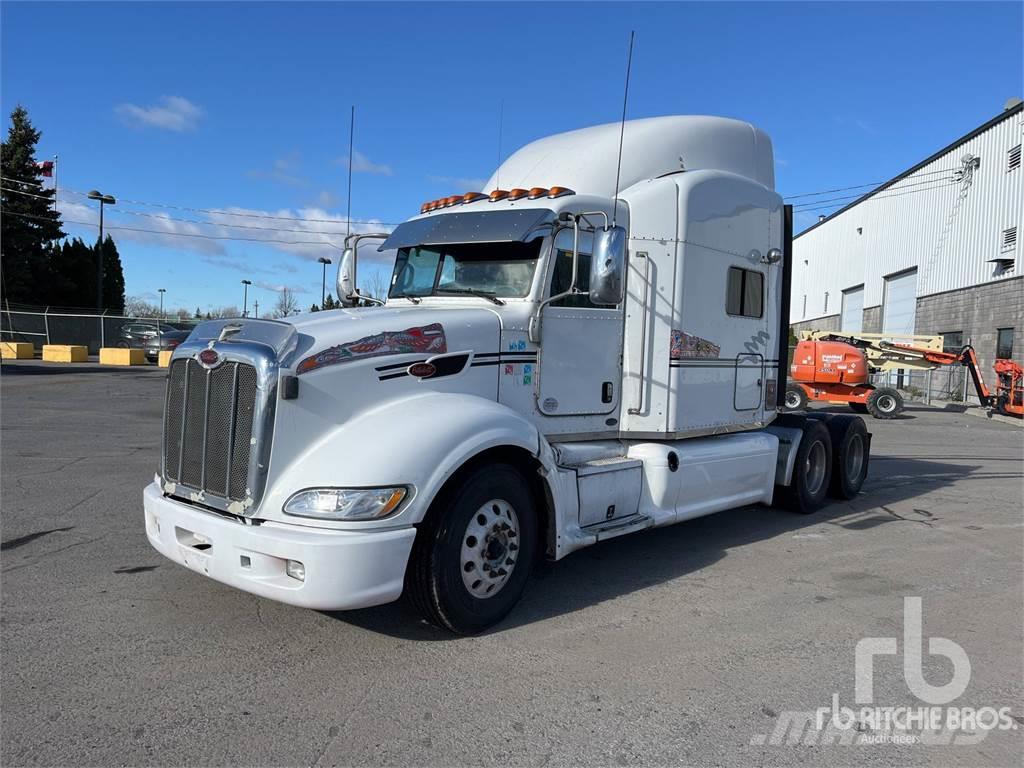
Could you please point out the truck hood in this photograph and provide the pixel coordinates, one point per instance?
(345, 336)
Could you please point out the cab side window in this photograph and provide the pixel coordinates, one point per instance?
(561, 277)
(744, 294)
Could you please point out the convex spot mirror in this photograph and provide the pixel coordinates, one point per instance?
(347, 279)
(607, 265)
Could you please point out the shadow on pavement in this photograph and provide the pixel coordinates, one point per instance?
(615, 568)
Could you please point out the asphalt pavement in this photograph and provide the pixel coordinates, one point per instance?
(680, 646)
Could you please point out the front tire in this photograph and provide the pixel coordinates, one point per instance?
(474, 551)
(885, 403)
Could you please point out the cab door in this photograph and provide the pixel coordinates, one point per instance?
(580, 363)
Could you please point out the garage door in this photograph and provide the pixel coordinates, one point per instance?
(900, 303)
(853, 310)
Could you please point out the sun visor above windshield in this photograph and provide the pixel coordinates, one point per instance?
(465, 227)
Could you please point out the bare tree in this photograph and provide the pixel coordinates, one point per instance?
(377, 283)
(286, 304)
(135, 306)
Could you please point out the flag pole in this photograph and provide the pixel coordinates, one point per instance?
(55, 208)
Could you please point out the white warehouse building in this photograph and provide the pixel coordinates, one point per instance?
(933, 251)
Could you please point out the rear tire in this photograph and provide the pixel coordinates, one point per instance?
(812, 471)
(475, 550)
(851, 450)
(123, 344)
(796, 398)
(858, 407)
(885, 403)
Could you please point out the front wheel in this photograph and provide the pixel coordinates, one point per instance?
(474, 551)
(885, 403)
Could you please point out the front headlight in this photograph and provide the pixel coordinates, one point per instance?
(345, 503)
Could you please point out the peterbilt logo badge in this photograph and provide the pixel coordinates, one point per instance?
(209, 358)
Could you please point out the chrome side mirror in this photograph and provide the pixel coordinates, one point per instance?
(607, 265)
(347, 295)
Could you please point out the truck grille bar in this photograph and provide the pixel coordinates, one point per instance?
(208, 427)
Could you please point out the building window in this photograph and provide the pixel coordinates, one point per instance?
(744, 293)
(1009, 240)
(1013, 159)
(952, 341)
(1004, 343)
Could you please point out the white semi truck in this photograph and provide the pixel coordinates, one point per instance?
(584, 352)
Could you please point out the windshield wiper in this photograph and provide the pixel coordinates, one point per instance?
(473, 292)
(409, 296)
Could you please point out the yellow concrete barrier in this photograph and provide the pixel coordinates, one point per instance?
(16, 350)
(121, 356)
(65, 353)
(165, 358)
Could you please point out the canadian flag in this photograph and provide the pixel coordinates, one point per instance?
(45, 168)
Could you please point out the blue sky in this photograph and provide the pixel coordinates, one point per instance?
(244, 107)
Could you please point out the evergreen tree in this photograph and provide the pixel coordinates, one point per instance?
(198, 315)
(330, 303)
(315, 308)
(113, 277)
(72, 275)
(29, 223)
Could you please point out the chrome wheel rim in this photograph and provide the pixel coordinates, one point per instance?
(886, 403)
(490, 547)
(854, 458)
(792, 400)
(814, 468)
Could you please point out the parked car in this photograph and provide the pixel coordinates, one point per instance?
(167, 340)
(136, 334)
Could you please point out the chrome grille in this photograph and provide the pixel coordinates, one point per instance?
(208, 427)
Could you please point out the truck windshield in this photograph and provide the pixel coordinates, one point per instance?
(495, 269)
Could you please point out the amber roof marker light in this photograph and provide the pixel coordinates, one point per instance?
(472, 197)
(538, 192)
(518, 194)
(560, 192)
(498, 194)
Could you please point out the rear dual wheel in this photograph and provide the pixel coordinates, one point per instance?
(851, 448)
(812, 471)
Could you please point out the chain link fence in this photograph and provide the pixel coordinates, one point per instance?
(39, 326)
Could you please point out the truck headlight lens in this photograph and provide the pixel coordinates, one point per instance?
(345, 503)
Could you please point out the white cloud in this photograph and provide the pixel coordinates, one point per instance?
(362, 164)
(326, 199)
(172, 113)
(461, 182)
(278, 287)
(307, 233)
(283, 171)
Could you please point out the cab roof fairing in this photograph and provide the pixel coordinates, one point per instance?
(501, 221)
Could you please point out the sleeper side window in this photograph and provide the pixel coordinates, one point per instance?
(744, 295)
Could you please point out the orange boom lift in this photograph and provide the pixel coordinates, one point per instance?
(836, 368)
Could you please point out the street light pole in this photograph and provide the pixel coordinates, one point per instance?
(161, 291)
(245, 297)
(108, 200)
(323, 281)
(257, 303)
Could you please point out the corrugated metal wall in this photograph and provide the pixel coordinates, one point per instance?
(927, 220)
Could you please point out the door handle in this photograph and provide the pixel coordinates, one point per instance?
(607, 392)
